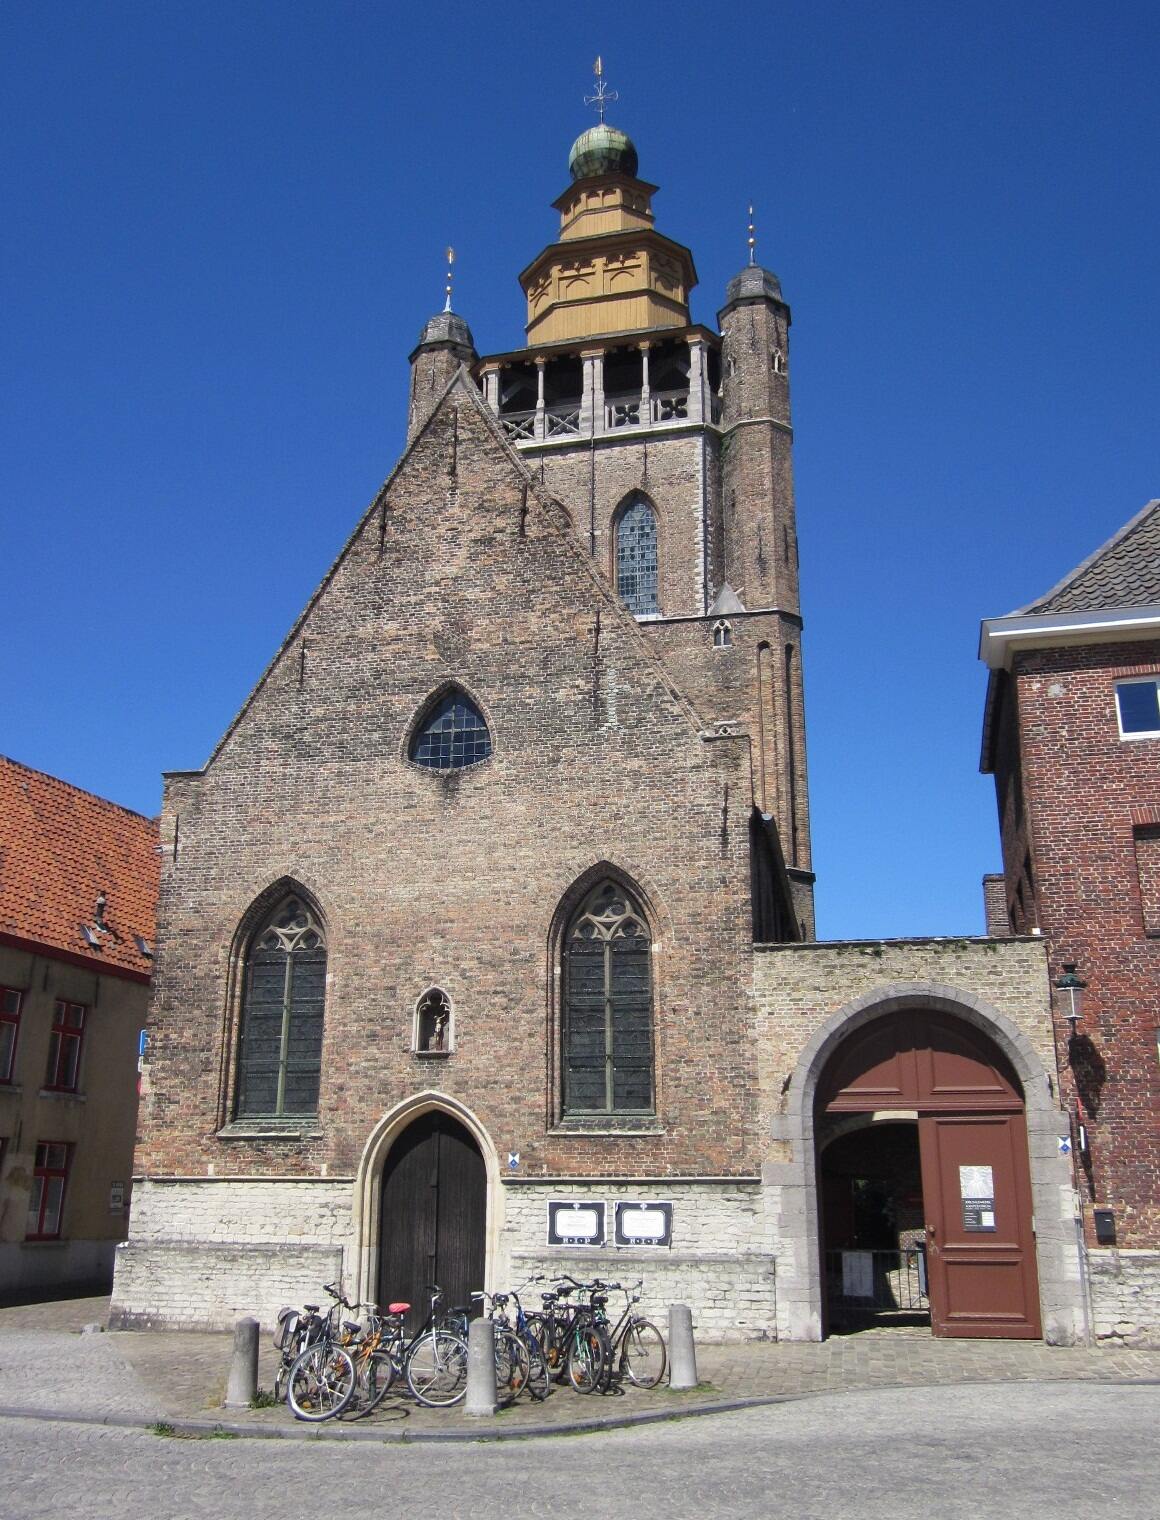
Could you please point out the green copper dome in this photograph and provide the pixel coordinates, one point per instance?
(602, 150)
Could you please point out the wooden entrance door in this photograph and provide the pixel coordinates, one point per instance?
(976, 1179)
(434, 1213)
(980, 1253)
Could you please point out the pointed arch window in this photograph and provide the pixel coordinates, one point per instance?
(451, 735)
(607, 1024)
(636, 558)
(280, 1044)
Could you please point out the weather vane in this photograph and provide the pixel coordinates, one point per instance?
(602, 94)
(450, 264)
(752, 237)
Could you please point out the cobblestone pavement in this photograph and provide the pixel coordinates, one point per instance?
(1019, 1450)
(48, 1368)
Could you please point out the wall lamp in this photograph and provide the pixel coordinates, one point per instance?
(1072, 989)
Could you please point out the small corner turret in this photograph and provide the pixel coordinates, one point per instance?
(444, 345)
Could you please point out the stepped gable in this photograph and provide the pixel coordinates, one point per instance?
(1123, 572)
(60, 848)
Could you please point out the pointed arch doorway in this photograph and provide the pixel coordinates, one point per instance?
(433, 1215)
(950, 1086)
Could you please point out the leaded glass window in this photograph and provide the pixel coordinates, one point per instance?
(452, 735)
(607, 1033)
(636, 558)
(280, 1049)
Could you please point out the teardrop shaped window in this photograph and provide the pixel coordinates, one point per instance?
(452, 735)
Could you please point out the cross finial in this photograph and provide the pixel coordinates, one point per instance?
(602, 94)
(752, 237)
(450, 264)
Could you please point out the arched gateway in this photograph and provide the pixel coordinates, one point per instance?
(922, 1137)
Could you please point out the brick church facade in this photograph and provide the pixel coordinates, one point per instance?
(486, 937)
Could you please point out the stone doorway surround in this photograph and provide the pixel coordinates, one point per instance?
(799, 983)
(367, 1223)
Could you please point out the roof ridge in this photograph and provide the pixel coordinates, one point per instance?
(80, 791)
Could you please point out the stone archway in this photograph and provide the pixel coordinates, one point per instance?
(946, 1087)
(791, 1177)
(409, 1126)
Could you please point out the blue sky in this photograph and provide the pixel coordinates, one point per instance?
(224, 227)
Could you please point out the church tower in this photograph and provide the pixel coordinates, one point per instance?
(669, 444)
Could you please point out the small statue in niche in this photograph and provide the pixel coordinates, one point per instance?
(434, 1022)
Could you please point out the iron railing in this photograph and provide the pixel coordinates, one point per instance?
(891, 1281)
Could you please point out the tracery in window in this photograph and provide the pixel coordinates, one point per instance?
(636, 558)
(280, 1043)
(722, 634)
(452, 735)
(607, 1025)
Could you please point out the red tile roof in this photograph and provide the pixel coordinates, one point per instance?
(60, 848)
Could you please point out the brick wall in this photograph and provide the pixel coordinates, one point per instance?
(1088, 798)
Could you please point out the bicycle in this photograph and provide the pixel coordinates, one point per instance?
(512, 1358)
(294, 1330)
(435, 1360)
(321, 1381)
(641, 1346)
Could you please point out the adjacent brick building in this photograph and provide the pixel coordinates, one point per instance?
(1072, 736)
(485, 933)
(78, 897)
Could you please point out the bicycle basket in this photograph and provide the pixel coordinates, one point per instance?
(285, 1328)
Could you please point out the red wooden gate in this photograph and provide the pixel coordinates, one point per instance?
(976, 1178)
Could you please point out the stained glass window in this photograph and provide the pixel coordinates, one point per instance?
(636, 558)
(607, 1006)
(452, 735)
(280, 1052)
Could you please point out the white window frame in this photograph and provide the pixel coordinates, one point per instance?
(1143, 733)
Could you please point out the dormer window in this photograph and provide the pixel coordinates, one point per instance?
(451, 735)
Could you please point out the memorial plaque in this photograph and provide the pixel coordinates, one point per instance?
(575, 1223)
(644, 1224)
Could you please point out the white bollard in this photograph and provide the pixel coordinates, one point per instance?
(682, 1352)
(481, 1393)
(243, 1380)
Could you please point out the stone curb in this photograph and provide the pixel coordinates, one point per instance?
(329, 1431)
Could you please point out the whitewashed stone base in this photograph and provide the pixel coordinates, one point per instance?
(1125, 1288)
(202, 1251)
(720, 1262)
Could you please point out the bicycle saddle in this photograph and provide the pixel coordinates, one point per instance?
(397, 1308)
(311, 1308)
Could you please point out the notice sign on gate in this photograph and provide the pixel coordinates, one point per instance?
(571, 1223)
(977, 1191)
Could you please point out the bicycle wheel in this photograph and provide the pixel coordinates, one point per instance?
(437, 1369)
(377, 1375)
(549, 1333)
(589, 1355)
(512, 1367)
(642, 1353)
(321, 1383)
(539, 1383)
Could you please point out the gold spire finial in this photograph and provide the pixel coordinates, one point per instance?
(450, 263)
(752, 237)
(602, 94)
